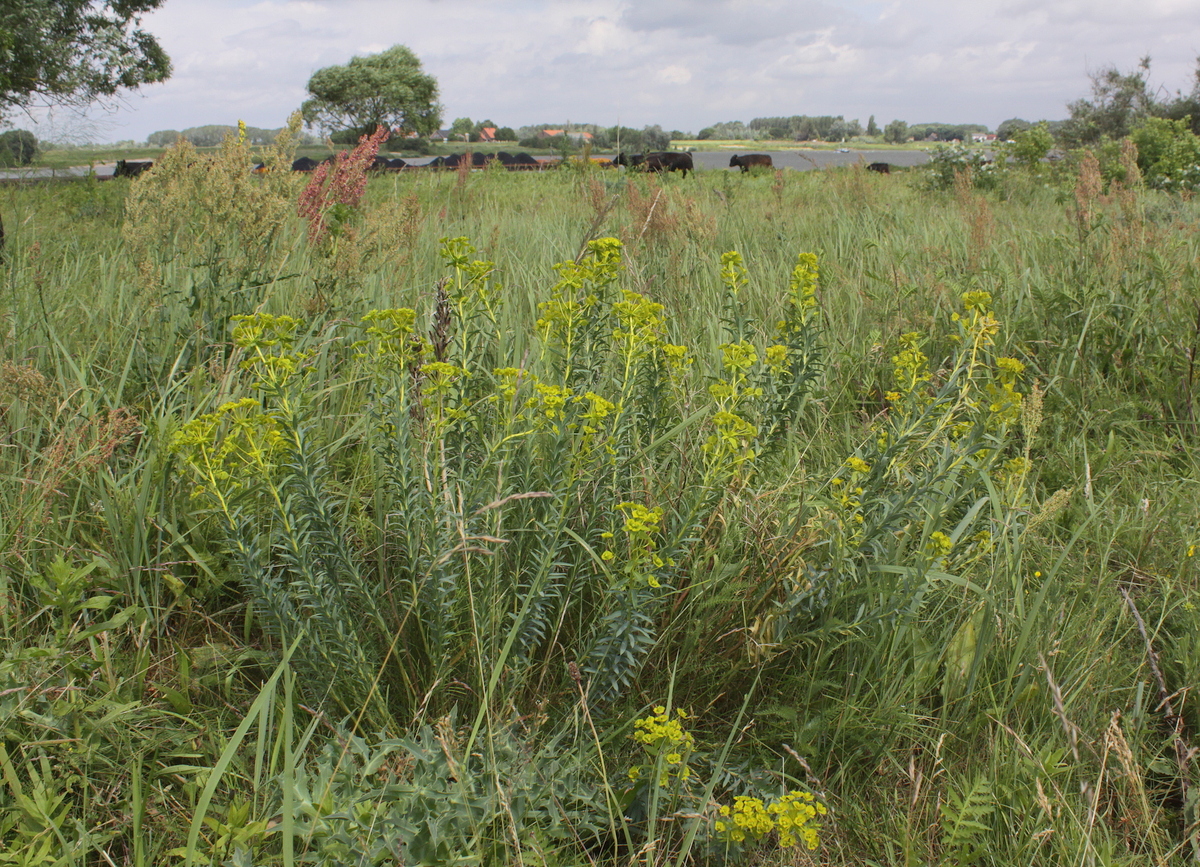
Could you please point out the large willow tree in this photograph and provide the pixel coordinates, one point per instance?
(387, 89)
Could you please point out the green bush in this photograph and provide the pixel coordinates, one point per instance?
(948, 161)
(1168, 154)
(18, 147)
(1031, 145)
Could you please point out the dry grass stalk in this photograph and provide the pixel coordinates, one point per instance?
(1087, 192)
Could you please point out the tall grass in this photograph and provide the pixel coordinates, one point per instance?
(388, 566)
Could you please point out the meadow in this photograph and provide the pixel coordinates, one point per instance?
(579, 517)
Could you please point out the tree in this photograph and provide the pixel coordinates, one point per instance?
(163, 138)
(1119, 101)
(74, 52)
(1032, 144)
(1011, 127)
(18, 147)
(655, 138)
(872, 129)
(1168, 153)
(462, 128)
(386, 89)
(1186, 106)
(896, 132)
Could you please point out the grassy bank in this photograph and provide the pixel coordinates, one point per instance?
(403, 563)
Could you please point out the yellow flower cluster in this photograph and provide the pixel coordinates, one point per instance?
(802, 293)
(639, 326)
(1004, 401)
(939, 545)
(573, 297)
(858, 465)
(391, 338)
(738, 357)
(229, 448)
(666, 742)
(910, 367)
(794, 816)
(733, 272)
(548, 403)
(748, 818)
(776, 358)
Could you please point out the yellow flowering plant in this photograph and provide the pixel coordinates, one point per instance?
(911, 505)
(666, 783)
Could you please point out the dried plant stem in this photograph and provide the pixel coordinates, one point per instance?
(1183, 752)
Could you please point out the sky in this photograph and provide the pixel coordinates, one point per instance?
(683, 64)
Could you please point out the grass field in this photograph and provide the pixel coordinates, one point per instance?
(435, 528)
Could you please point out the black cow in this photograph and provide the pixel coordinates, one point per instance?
(304, 164)
(131, 169)
(670, 161)
(750, 161)
(632, 161)
(882, 168)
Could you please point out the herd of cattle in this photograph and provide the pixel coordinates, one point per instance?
(660, 161)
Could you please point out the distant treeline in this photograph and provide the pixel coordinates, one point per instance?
(803, 127)
(648, 138)
(213, 134)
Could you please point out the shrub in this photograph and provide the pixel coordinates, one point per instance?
(948, 161)
(1031, 145)
(18, 147)
(1168, 154)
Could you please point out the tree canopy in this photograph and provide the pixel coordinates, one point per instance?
(73, 52)
(386, 89)
(1119, 102)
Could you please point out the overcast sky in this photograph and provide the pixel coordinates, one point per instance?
(683, 64)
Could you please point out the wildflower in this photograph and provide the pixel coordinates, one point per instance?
(802, 293)
(733, 272)
(939, 544)
(335, 190)
(977, 300)
(858, 465)
(1010, 366)
(676, 355)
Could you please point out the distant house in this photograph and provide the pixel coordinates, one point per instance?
(487, 133)
(978, 137)
(577, 137)
(440, 135)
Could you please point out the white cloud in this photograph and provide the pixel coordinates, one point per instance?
(675, 75)
(680, 63)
